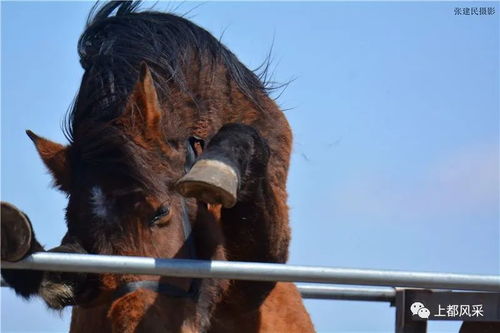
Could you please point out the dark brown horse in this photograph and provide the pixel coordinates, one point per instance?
(176, 151)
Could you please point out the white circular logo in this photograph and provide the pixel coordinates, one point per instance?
(415, 307)
(424, 313)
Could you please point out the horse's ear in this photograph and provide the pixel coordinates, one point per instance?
(55, 158)
(144, 101)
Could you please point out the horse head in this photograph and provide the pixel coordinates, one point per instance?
(120, 179)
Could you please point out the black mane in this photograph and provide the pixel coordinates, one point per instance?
(118, 38)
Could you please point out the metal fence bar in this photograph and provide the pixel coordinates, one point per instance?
(349, 294)
(337, 293)
(252, 271)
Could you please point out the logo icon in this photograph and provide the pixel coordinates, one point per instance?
(419, 309)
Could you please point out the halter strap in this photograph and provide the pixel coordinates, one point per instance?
(161, 288)
(167, 288)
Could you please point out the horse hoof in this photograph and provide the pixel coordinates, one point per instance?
(16, 233)
(210, 181)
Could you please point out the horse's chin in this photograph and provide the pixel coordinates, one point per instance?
(57, 295)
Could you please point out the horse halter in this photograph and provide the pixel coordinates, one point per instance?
(194, 146)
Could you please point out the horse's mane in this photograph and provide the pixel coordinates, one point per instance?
(118, 38)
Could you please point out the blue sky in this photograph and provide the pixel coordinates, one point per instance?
(395, 113)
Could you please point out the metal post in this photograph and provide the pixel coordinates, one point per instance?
(403, 325)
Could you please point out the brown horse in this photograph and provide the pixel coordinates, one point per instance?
(176, 151)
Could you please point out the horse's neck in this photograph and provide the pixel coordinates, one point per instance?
(139, 311)
(92, 319)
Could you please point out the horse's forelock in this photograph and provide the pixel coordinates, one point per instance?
(106, 149)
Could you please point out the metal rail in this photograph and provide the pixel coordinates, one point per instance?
(348, 294)
(337, 293)
(252, 271)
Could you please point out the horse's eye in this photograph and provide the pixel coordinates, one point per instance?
(160, 213)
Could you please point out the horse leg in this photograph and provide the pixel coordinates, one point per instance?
(223, 172)
(238, 170)
(18, 241)
(254, 223)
